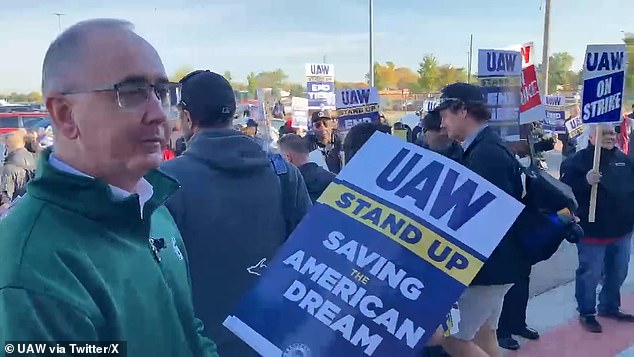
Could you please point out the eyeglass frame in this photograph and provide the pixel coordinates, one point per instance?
(115, 87)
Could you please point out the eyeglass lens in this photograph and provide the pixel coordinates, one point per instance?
(133, 94)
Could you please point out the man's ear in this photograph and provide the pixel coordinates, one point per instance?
(61, 112)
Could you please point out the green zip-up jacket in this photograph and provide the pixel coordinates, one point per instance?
(76, 264)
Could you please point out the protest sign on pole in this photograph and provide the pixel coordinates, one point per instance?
(355, 106)
(379, 261)
(299, 107)
(430, 104)
(603, 80)
(320, 86)
(531, 109)
(574, 127)
(499, 73)
(554, 120)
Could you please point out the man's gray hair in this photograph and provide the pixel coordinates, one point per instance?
(64, 56)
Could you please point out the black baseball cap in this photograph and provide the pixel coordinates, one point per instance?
(460, 92)
(432, 121)
(208, 96)
(321, 115)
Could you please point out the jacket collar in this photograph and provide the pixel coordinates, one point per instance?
(93, 197)
(484, 133)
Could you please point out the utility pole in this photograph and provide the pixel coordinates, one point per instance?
(470, 58)
(59, 21)
(545, 56)
(371, 73)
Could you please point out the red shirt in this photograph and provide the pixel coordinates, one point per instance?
(168, 154)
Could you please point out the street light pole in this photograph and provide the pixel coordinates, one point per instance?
(470, 58)
(59, 21)
(371, 73)
(545, 56)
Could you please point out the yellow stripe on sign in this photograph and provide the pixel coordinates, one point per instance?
(420, 240)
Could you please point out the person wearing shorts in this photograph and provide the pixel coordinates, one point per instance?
(465, 116)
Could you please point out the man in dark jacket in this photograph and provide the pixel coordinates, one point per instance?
(604, 252)
(324, 137)
(237, 204)
(465, 114)
(19, 168)
(317, 178)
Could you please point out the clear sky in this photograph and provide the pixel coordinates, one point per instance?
(254, 35)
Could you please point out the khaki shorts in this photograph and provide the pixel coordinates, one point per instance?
(480, 305)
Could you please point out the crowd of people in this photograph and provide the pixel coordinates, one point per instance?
(113, 239)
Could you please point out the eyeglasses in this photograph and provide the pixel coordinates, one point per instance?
(131, 94)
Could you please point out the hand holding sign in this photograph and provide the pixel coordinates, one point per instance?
(603, 80)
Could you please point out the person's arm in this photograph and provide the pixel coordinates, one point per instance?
(33, 316)
(8, 178)
(573, 177)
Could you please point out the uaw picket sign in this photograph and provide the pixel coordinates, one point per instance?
(603, 79)
(378, 262)
(355, 106)
(531, 109)
(554, 120)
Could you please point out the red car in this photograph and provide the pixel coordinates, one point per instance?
(13, 121)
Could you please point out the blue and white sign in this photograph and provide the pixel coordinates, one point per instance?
(430, 105)
(320, 86)
(499, 63)
(355, 106)
(379, 261)
(603, 80)
(500, 76)
(554, 121)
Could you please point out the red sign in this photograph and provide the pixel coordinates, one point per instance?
(529, 92)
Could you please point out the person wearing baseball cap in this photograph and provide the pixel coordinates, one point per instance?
(324, 137)
(434, 137)
(226, 176)
(464, 114)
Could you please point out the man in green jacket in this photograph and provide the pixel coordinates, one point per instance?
(90, 253)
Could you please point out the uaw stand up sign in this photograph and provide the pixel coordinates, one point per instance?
(377, 263)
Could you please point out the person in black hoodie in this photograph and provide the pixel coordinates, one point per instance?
(294, 148)
(464, 115)
(604, 252)
(236, 206)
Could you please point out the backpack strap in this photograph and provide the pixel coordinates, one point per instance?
(280, 167)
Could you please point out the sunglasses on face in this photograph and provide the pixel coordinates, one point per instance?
(131, 94)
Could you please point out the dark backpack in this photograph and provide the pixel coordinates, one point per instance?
(539, 228)
(280, 167)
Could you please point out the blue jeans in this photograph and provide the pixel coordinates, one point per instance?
(601, 262)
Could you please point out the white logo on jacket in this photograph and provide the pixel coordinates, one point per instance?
(257, 268)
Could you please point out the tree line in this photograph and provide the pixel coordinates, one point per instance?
(430, 76)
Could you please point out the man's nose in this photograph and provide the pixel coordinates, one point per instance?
(155, 110)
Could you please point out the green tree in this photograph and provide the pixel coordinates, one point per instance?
(271, 79)
(560, 72)
(252, 85)
(428, 73)
(448, 74)
(227, 75)
(297, 90)
(629, 81)
(180, 72)
(378, 79)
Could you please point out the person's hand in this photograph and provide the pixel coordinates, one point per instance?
(593, 177)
